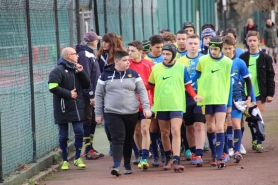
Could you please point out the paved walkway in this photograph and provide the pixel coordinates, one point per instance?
(256, 168)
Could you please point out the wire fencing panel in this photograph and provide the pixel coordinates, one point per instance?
(17, 145)
(147, 16)
(15, 94)
(138, 24)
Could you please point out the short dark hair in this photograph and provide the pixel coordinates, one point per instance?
(193, 36)
(182, 32)
(120, 54)
(229, 40)
(138, 44)
(208, 25)
(230, 30)
(156, 39)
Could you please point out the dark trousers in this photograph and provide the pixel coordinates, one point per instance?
(121, 128)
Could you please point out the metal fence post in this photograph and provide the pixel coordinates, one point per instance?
(28, 22)
(152, 16)
(1, 169)
(142, 13)
(105, 16)
(78, 36)
(133, 20)
(57, 29)
(120, 17)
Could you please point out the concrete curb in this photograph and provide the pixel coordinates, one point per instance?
(38, 170)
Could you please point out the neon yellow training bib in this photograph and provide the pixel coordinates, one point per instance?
(214, 82)
(169, 94)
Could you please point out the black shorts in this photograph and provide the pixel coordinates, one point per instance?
(141, 116)
(193, 114)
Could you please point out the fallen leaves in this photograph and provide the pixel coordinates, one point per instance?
(26, 167)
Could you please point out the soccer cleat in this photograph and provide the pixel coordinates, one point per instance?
(98, 153)
(197, 160)
(187, 155)
(115, 170)
(225, 157)
(110, 149)
(65, 165)
(242, 150)
(206, 147)
(237, 157)
(92, 155)
(79, 163)
(144, 164)
(254, 145)
(192, 158)
(260, 148)
(127, 170)
(168, 164)
(177, 166)
(231, 152)
(136, 160)
(155, 162)
(213, 161)
(220, 164)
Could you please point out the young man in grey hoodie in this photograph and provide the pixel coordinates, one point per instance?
(117, 89)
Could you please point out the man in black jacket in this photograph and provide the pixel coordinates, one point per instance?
(66, 82)
(90, 65)
(261, 69)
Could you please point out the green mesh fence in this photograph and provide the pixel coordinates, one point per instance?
(138, 20)
(17, 141)
(126, 16)
(113, 18)
(17, 145)
(100, 12)
(147, 19)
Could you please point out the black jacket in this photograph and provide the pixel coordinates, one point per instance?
(103, 61)
(67, 109)
(265, 74)
(90, 65)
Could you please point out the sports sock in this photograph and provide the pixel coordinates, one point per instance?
(225, 149)
(237, 139)
(145, 154)
(168, 154)
(211, 140)
(86, 139)
(64, 148)
(230, 136)
(78, 147)
(199, 152)
(154, 137)
(219, 145)
(192, 149)
(135, 149)
(259, 141)
(176, 158)
(242, 130)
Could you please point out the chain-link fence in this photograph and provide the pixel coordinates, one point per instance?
(28, 29)
(32, 35)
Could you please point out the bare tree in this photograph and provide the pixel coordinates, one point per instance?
(264, 5)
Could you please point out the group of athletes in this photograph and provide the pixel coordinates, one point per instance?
(187, 89)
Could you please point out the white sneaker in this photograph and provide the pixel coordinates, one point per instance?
(231, 152)
(242, 150)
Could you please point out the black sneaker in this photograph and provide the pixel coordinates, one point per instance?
(127, 170)
(115, 170)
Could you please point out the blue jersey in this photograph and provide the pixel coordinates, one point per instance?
(180, 54)
(239, 72)
(191, 64)
(153, 59)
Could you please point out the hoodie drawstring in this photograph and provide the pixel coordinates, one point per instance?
(113, 76)
(123, 76)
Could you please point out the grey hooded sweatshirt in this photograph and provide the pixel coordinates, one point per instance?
(117, 91)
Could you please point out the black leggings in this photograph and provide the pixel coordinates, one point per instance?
(121, 128)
